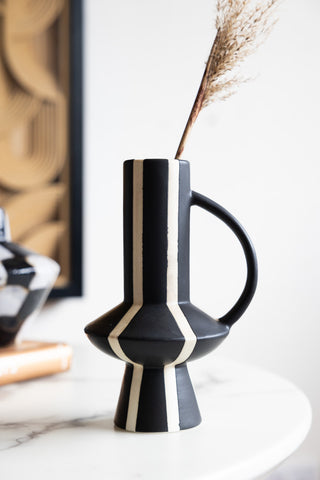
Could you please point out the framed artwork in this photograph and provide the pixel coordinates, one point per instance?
(41, 131)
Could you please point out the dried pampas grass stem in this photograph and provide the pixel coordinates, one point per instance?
(242, 25)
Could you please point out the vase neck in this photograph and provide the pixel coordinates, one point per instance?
(156, 231)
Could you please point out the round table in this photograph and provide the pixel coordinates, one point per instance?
(62, 426)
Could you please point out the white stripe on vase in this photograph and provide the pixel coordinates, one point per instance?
(134, 396)
(172, 298)
(137, 274)
(137, 227)
(114, 335)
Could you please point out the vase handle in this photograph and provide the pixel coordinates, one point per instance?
(252, 268)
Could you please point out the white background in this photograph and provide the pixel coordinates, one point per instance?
(256, 153)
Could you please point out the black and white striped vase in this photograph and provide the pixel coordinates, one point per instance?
(156, 329)
(26, 279)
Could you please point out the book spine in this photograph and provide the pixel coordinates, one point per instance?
(35, 363)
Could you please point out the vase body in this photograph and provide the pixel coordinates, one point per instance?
(26, 279)
(156, 329)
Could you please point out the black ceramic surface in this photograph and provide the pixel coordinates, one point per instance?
(26, 279)
(156, 329)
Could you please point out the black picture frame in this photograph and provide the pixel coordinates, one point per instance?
(74, 288)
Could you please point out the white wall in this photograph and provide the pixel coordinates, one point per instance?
(257, 154)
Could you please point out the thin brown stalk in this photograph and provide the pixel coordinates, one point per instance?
(241, 26)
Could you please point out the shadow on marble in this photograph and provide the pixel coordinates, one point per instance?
(105, 423)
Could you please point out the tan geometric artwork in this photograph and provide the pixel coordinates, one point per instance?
(34, 136)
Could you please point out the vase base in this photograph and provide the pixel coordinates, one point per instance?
(157, 400)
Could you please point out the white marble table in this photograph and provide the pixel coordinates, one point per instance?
(61, 427)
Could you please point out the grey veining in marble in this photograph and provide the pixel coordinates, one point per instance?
(252, 420)
(31, 430)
